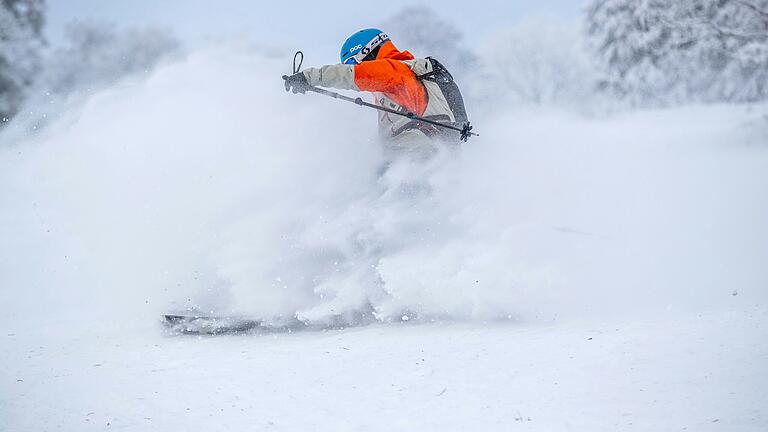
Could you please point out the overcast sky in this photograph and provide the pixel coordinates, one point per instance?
(320, 25)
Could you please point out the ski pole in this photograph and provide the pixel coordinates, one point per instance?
(465, 130)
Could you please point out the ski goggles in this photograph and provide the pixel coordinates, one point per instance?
(351, 61)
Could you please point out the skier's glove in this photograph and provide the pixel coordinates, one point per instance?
(296, 82)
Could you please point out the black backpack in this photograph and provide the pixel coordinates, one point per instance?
(444, 80)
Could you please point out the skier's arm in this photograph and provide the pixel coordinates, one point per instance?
(335, 76)
(391, 77)
(372, 76)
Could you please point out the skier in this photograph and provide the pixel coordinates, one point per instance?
(422, 86)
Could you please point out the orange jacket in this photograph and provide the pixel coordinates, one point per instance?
(390, 76)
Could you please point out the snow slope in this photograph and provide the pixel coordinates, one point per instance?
(702, 372)
(207, 186)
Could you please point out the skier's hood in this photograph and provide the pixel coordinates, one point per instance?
(389, 51)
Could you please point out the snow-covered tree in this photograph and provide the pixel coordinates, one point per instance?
(536, 62)
(732, 41)
(95, 55)
(91, 57)
(423, 32)
(633, 40)
(21, 25)
(676, 50)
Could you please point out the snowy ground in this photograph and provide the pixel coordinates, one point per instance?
(697, 372)
(563, 272)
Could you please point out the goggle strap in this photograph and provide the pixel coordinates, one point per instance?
(370, 46)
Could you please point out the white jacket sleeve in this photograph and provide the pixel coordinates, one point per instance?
(339, 76)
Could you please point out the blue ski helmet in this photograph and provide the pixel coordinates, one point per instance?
(361, 44)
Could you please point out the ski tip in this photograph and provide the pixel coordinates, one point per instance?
(208, 325)
(179, 317)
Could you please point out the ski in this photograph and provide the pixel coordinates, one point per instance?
(195, 324)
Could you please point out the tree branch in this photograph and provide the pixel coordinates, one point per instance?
(757, 9)
(736, 35)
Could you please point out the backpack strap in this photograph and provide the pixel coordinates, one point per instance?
(451, 92)
(437, 68)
